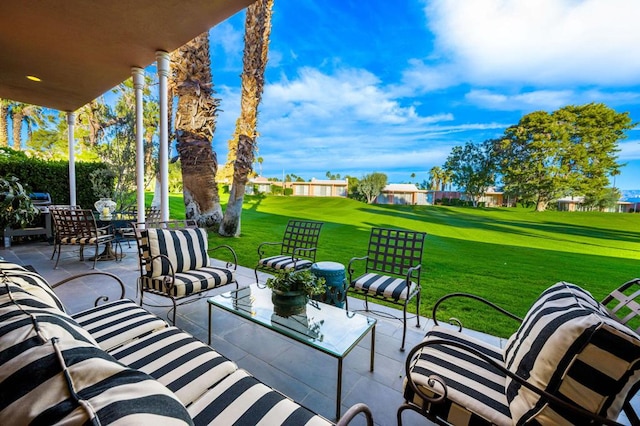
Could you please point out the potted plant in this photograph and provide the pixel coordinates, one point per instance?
(16, 208)
(292, 289)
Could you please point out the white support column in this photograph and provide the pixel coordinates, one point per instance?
(163, 155)
(71, 121)
(138, 85)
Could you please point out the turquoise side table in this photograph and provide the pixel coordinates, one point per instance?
(336, 282)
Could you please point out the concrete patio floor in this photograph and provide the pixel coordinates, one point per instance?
(299, 372)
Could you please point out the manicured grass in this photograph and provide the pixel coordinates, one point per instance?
(506, 255)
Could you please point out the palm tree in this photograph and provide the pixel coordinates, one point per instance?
(256, 46)
(4, 122)
(195, 124)
(435, 176)
(16, 113)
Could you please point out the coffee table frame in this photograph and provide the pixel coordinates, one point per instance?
(254, 304)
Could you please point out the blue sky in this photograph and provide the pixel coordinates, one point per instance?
(358, 87)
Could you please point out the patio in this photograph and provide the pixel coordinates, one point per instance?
(301, 373)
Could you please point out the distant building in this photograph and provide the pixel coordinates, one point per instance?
(320, 188)
(402, 193)
(313, 188)
(576, 204)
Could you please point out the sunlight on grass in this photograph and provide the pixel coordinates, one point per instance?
(507, 255)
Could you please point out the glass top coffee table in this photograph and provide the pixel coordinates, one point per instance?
(326, 328)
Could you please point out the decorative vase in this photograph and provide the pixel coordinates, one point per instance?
(105, 207)
(287, 303)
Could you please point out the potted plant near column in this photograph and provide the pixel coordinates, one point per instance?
(292, 289)
(16, 208)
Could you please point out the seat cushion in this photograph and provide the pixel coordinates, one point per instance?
(52, 373)
(117, 323)
(186, 249)
(385, 285)
(241, 399)
(570, 347)
(182, 363)
(190, 282)
(475, 389)
(284, 262)
(31, 282)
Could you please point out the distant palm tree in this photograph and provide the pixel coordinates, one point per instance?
(4, 122)
(436, 175)
(195, 124)
(256, 46)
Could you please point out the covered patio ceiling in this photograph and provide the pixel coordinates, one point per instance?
(80, 49)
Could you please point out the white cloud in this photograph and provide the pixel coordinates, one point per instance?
(629, 150)
(538, 42)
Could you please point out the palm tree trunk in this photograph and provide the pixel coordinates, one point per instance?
(4, 123)
(256, 47)
(16, 122)
(195, 125)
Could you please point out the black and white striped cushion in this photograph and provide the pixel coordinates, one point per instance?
(190, 282)
(285, 262)
(475, 390)
(384, 285)
(569, 346)
(31, 282)
(185, 248)
(177, 360)
(51, 372)
(240, 399)
(119, 322)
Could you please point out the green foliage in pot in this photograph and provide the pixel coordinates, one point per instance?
(304, 281)
(16, 208)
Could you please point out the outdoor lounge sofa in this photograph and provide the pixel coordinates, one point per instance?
(572, 361)
(117, 363)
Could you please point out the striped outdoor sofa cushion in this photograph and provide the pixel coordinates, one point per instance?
(385, 285)
(569, 346)
(182, 363)
(475, 389)
(119, 322)
(86, 240)
(31, 282)
(51, 373)
(285, 262)
(185, 248)
(189, 282)
(240, 399)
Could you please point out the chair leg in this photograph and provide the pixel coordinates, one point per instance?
(175, 308)
(255, 271)
(58, 258)
(404, 325)
(418, 310)
(95, 258)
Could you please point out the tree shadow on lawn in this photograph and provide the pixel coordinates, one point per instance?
(455, 216)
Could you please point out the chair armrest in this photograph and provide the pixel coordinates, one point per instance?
(172, 271)
(552, 400)
(353, 411)
(90, 274)
(229, 265)
(411, 270)
(351, 268)
(473, 297)
(262, 246)
(300, 249)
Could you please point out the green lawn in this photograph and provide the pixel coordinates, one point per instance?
(506, 255)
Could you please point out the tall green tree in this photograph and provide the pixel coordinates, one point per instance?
(571, 151)
(371, 185)
(472, 168)
(4, 122)
(256, 48)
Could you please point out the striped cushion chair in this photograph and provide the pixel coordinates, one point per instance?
(391, 270)
(568, 363)
(297, 248)
(174, 261)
